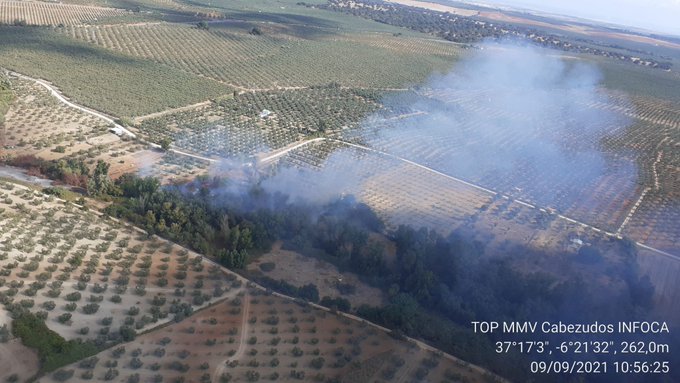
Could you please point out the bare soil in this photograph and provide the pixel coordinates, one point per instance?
(300, 270)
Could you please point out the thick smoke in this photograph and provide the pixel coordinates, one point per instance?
(276, 186)
(513, 118)
(318, 188)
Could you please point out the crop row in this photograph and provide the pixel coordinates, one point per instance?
(229, 54)
(44, 13)
(236, 127)
(34, 109)
(399, 192)
(53, 265)
(259, 337)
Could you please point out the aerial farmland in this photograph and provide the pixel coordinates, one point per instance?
(331, 191)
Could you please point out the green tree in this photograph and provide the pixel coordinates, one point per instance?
(100, 183)
(165, 143)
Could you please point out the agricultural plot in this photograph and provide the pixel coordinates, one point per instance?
(260, 337)
(92, 277)
(281, 264)
(172, 167)
(229, 54)
(253, 122)
(36, 121)
(38, 124)
(101, 79)
(44, 13)
(423, 45)
(403, 193)
(656, 222)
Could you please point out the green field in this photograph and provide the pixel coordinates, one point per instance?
(104, 80)
(227, 52)
(640, 81)
(134, 69)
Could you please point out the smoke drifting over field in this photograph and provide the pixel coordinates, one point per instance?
(512, 118)
(515, 119)
(318, 188)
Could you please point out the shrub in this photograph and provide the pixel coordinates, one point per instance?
(318, 362)
(89, 363)
(90, 308)
(73, 297)
(111, 374)
(63, 375)
(136, 363)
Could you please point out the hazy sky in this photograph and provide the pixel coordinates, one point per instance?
(655, 15)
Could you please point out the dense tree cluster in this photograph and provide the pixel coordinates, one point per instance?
(228, 230)
(308, 292)
(70, 171)
(53, 349)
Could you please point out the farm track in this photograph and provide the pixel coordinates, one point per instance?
(632, 211)
(174, 110)
(245, 327)
(55, 92)
(63, 100)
